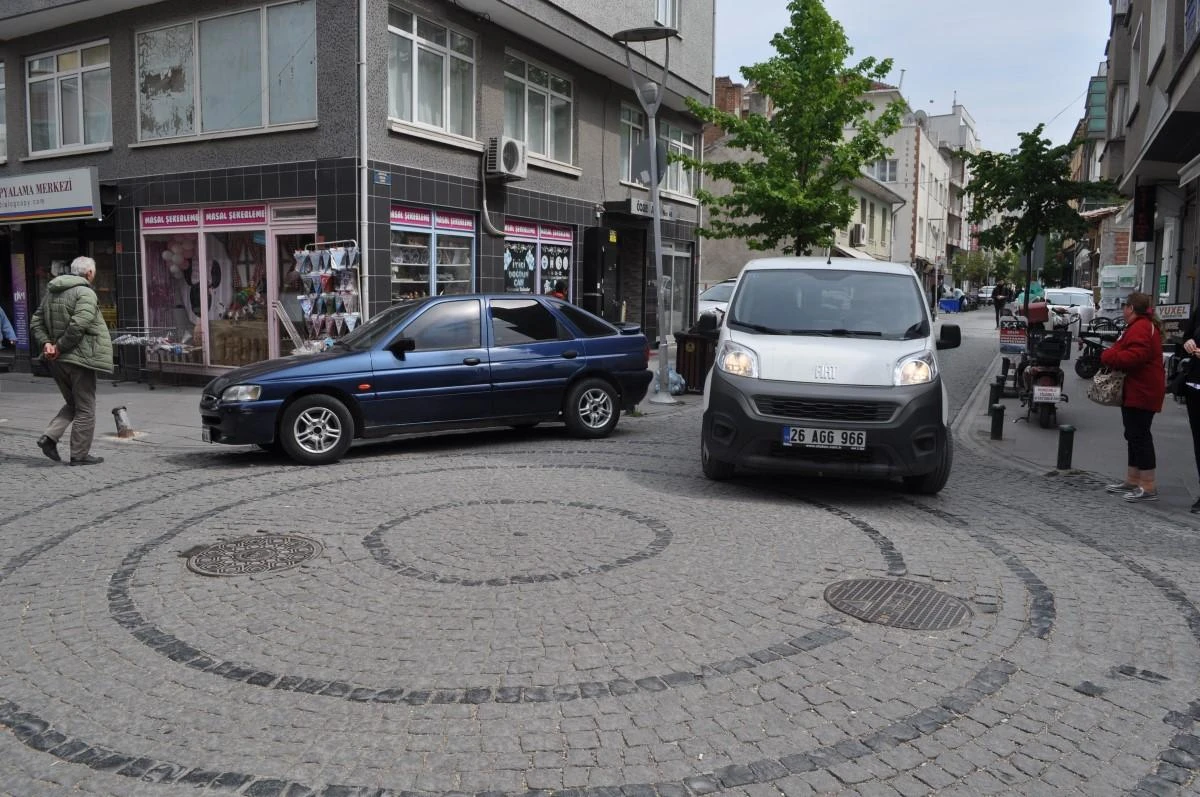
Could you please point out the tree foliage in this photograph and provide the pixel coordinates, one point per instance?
(1030, 192)
(792, 191)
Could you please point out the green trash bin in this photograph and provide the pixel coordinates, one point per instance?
(694, 354)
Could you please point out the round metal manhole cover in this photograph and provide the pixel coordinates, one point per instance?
(898, 603)
(261, 553)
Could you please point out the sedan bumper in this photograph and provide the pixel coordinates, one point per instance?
(238, 423)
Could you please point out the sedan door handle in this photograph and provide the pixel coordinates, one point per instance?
(570, 354)
(471, 361)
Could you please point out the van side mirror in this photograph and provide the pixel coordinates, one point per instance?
(950, 337)
(401, 345)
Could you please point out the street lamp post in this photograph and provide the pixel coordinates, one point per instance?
(650, 94)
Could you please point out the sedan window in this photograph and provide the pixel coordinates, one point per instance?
(447, 325)
(379, 327)
(516, 322)
(588, 324)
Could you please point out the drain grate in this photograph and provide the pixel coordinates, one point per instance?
(261, 553)
(898, 603)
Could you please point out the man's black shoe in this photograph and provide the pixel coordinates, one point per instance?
(49, 448)
(88, 460)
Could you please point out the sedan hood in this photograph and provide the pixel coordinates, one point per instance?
(283, 368)
(828, 360)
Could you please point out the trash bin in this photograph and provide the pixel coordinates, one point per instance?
(694, 354)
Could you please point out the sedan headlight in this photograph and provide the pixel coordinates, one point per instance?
(241, 393)
(738, 360)
(918, 369)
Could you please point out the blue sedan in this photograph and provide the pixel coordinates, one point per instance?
(446, 362)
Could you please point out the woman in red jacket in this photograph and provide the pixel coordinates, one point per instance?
(1138, 352)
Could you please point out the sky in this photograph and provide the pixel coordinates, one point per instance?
(1013, 64)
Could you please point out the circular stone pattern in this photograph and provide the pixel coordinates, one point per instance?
(897, 602)
(260, 553)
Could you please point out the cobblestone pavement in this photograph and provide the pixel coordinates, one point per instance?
(516, 612)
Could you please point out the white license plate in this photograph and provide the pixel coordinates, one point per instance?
(205, 434)
(824, 438)
(1047, 393)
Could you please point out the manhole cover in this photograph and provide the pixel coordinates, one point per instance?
(896, 602)
(258, 554)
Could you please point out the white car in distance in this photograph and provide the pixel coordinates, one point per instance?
(716, 297)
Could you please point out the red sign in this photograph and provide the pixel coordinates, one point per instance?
(520, 229)
(455, 221)
(242, 214)
(557, 234)
(159, 219)
(411, 217)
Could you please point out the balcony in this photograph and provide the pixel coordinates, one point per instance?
(23, 17)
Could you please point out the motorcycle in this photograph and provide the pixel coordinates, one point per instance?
(1098, 337)
(1040, 374)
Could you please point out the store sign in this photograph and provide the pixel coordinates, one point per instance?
(521, 229)
(530, 231)
(245, 214)
(50, 196)
(455, 221)
(639, 207)
(520, 267)
(159, 219)
(557, 234)
(20, 319)
(411, 217)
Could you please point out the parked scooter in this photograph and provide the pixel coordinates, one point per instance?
(1040, 375)
(1098, 337)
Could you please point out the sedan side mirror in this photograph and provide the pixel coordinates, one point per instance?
(950, 337)
(401, 345)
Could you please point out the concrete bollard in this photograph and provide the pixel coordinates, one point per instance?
(121, 416)
(1066, 442)
(997, 421)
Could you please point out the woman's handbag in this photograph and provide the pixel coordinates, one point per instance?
(1107, 388)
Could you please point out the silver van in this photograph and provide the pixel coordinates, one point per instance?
(829, 367)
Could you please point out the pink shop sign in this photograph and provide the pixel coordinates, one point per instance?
(242, 214)
(556, 234)
(411, 217)
(455, 221)
(520, 229)
(162, 219)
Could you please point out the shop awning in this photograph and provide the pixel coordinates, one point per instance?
(850, 251)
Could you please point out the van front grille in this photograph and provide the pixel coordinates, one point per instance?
(808, 409)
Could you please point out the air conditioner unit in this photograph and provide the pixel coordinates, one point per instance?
(858, 234)
(506, 158)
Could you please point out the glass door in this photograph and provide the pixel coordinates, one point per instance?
(237, 288)
(677, 273)
(292, 292)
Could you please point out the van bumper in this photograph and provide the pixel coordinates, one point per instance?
(745, 420)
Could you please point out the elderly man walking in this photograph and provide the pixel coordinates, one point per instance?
(72, 335)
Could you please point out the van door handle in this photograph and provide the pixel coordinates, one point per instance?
(471, 361)
(570, 354)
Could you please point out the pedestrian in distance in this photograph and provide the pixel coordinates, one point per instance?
(560, 290)
(70, 331)
(999, 299)
(1190, 347)
(1138, 352)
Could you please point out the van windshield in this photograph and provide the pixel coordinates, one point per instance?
(832, 303)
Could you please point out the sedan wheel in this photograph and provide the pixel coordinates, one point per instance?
(591, 409)
(316, 430)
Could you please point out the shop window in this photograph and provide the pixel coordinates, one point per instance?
(633, 131)
(191, 77)
(69, 98)
(431, 74)
(516, 322)
(537, 108)
(3, 123)
(431, 253)
(449, 325)
(173, 289)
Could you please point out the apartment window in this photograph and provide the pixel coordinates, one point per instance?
(680, 179)
(3, 124)
(920, 229)
(885, 170)
(1116, 115)
(1135, 70)
(667, 13)
(862, 210)
(537, 108)
(431, 74)
(633, 132)
(883, 225)
(69, 98)
(871, 223)
(198, 77)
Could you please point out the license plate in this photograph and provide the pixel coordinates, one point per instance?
(205, 434)
(1047, 393)
(824, 438)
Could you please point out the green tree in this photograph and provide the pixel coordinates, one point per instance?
(1004, 265)
(1031, 192)
(792, 192)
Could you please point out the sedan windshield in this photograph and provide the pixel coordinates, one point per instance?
(368, 334)
(718, 293)
(827, 302)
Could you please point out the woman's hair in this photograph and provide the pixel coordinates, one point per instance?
(1141, 304)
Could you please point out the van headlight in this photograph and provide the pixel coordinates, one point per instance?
(241, 393)
(918, 369)
(736, 359)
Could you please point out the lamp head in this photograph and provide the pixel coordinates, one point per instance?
(648, 34)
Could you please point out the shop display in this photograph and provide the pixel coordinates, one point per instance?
(328, 298)
(536, 256)
(431, 251)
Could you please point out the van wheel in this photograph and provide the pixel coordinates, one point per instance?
(316, 430)
(932, 483)
(717, 470)
(591, 408)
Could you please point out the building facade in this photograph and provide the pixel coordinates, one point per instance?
(237, 168)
